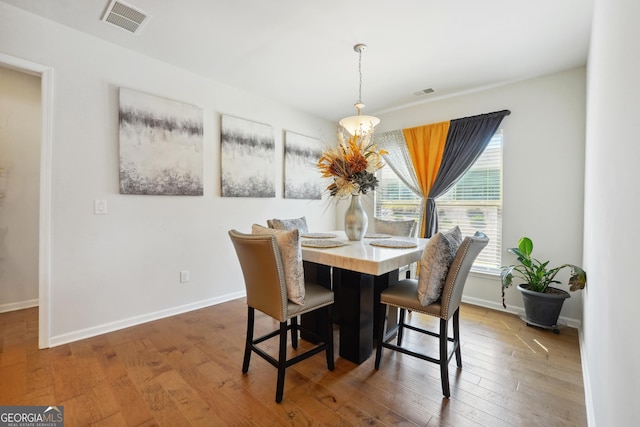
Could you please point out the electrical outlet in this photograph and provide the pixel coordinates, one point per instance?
(100, 207)
(184, 276)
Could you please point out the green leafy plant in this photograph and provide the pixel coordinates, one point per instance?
(537, 275)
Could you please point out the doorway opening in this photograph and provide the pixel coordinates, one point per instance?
(43, 245)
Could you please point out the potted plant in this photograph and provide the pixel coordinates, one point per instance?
(542, 302)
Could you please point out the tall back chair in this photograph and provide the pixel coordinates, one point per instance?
(289, 224)
(264, 280)
(398, 227)
(404, 295)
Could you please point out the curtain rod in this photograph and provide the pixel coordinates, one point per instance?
(505, 112)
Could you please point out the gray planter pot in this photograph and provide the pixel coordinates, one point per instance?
(543, 309)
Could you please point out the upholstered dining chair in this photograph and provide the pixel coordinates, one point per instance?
(262, 266)
(446, 306)
(289, 224)
(398, 227)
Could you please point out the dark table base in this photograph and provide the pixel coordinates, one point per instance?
(356, 297)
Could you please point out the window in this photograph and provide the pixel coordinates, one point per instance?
(474, 203)
(393, 199)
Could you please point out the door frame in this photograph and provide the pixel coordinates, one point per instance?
(44, 229)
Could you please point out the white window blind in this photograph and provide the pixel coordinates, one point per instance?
(473, 204)
(393, 199)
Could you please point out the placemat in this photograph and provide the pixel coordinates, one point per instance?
(322, 243)
(377, 236)
(319, 235)
(399, 244)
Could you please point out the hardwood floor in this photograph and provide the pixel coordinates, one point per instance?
(186, 370)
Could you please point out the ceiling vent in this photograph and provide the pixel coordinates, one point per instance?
(125, 16)
(424, 92)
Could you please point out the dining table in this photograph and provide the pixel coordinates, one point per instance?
(357, 272)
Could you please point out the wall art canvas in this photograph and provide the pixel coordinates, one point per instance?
(160, 146)
(247, 158)
(301, 177)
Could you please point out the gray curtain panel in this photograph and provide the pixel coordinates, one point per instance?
(466, 140)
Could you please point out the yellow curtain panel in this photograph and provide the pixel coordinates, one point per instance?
(426, 146)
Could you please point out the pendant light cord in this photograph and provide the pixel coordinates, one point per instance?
(360, 74)
(359, 48)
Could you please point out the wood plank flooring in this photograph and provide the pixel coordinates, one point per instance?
(186, 371)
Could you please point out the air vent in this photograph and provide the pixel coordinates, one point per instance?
(424, 92)
(125, 16)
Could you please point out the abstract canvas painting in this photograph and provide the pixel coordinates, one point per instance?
(301, 177)
(160, 146)
(247, 158)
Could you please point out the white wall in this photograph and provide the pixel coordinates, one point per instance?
(20, 115)
(109, 271)
(543, 170)
(610, 327)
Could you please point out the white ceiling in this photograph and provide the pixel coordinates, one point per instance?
(300, 52)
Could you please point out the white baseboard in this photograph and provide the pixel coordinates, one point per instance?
(588, 393)
(572, 323)
(4, 308)
(57, 340)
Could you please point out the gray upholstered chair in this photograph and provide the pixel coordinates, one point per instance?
(264, 280)
(401, 227)
(404, 295)
(289, 224)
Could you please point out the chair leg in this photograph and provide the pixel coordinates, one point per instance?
(456, 337)
(403, 312)
(444, 363)
(381, 322)
(282, 361)
(249, 340)
(294, 332)
(329, 340)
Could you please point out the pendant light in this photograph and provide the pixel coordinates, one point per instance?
(359, 125)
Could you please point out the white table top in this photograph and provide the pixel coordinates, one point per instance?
(360, 256)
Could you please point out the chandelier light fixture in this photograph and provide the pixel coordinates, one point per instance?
(359, 125)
